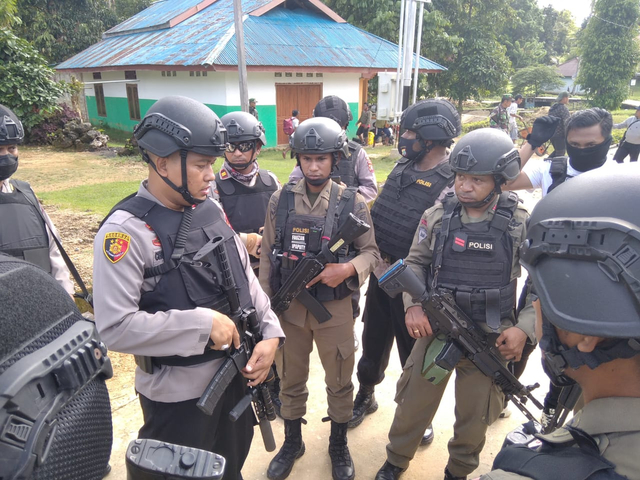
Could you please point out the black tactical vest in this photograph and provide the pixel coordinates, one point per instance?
(474, 261)
(246, 207)
(558, 172)
(23, 233)
(346, 168)
(405, 196)
(188, 286)
(298, 234)
(579, 459)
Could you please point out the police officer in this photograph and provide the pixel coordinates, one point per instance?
(153, 302)
(300, 219)
(590, 327)
(26, 231)
(241, 185)
(469, 245)
(354, 170)
(416, 183)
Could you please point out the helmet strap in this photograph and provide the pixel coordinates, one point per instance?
(183, 190)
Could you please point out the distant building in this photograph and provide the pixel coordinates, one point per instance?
(569, 72)
(296, 53)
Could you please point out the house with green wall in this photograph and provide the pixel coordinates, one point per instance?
(297, 51)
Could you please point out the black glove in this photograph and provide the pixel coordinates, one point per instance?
(543, 130)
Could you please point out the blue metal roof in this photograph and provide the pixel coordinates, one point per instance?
(280, 37)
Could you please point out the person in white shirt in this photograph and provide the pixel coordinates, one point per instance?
(513, 114)
(588, 140)
(630, 143)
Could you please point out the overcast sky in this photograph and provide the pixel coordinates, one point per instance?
(579, 8)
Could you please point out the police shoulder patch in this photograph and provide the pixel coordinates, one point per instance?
(116, 245)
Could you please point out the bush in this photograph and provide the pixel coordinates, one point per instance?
(471, 126)
(44, 133)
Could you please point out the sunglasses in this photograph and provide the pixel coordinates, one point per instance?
(242, 146)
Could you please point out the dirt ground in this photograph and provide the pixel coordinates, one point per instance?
(367, 442)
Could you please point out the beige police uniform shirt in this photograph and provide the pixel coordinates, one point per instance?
(421, 254)
(368, 185)
(614, 423)
(59, 269)
(364, 263)
(118, 287)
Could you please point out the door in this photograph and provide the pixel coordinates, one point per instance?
(301, 97)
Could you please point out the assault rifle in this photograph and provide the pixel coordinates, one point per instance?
(214, 256)
(447, 319)
(309, 266)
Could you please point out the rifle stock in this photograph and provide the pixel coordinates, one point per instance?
(447, 318)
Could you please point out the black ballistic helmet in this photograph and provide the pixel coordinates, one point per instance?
(335, 108)
(180, 123)
(177, 123)
(242, 127)
(54, 410)
(583, 254)
(11, 131)
(486, 151)
(433, 119)
(319, 135)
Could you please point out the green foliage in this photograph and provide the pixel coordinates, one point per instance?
(8, 10)
(63, 28)
(27, 85)
(535, 79)
(558, 33)
(609, 52)
(471, 126)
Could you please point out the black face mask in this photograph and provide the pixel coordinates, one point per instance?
(8, 166)
(585, 159)
(405, 148)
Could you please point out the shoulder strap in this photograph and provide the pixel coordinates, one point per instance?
(25, 189)
(265, 177)
(226, 187)
(505, 208)
(286, 203)
(450, 204)
(353, 146)
(332, 213)
(178, 248)
(118, 206)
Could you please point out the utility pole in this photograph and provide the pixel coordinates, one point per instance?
(409, 38)
(242, 64)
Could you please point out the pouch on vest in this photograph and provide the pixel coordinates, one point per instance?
(440, 359)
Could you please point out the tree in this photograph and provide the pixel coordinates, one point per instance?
(8, 10)
(535, 79)
(27, 85)
(609, 52)
(558, 33)
(521, 31)
(60, 29)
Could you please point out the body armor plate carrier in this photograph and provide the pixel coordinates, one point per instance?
(23, 233)
(299, 234)
(183, 285)
(246, 207)
(474, 260)
(405, 196)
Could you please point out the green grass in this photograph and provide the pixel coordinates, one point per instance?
(91, 198)
(99, 198)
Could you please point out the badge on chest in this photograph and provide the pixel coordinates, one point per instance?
(462, 242)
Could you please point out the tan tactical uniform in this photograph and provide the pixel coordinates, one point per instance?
(334, 338)
(614, 423)
(478, 401)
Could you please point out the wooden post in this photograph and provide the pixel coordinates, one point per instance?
(242, 65)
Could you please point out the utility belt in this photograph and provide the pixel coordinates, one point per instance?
(149, 364)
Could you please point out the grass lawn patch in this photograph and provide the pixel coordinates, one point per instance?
(97, 198)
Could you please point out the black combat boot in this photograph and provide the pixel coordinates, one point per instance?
(341, 463)
(388, 471)
(449, 476)
(292, 449)
(364, 404)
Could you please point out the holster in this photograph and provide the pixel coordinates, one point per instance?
(145, 363)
